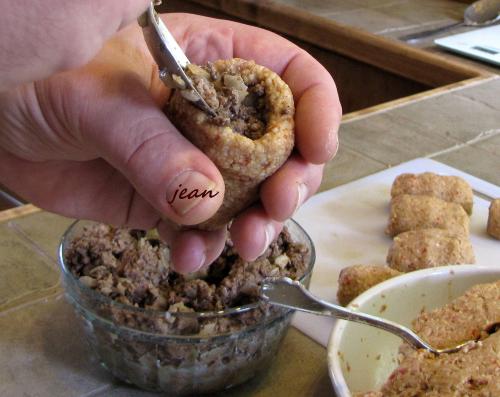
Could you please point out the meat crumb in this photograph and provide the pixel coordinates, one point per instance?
(134, 269)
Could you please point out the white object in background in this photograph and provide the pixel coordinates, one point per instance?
(482, 44)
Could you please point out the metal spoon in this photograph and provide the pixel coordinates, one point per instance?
(480, 13)
(291, 294)
(169, 56)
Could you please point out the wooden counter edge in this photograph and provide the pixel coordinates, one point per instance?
(382, 107)
(384, 53)
(17, 212)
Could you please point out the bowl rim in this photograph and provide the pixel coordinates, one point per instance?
(334, 368)
(202, 314)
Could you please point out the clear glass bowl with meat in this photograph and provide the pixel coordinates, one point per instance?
(162, 331)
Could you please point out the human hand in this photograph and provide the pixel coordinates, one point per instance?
(93, 143)
(40, 38)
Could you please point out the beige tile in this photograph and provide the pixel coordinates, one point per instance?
(487, 93)
(347, 166)
(450, 115)
(491, 145)
(44, 229)
(391, 139)
(422, 12)
(321, 7)
(371, 20)
(300, 370)
(475, 161)
(24, 273)
(43, 354)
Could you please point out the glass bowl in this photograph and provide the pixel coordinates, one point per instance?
(214, 351)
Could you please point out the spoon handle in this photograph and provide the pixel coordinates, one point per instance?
(432, 32)
(394, 328)
(291, 294)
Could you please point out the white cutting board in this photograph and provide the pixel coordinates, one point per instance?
(347, 226)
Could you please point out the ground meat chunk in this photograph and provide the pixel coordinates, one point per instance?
(237, 105)
(134, 269)
(356, 279)
(423, 248)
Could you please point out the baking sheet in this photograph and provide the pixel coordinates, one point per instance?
(347, 226)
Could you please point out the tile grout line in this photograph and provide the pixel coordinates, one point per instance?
(474, 100)
(56, 295)
(365, 155)
(480, 137)
(360, 8)
(410, 27)
(33, 244)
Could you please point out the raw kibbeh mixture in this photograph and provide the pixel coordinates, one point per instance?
(473, 371)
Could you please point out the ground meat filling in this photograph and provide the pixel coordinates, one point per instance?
(133, 268)
(237, 105)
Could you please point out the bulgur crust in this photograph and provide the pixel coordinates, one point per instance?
(243, 162)
(356, 279)
(494, 219)
(475, 373)
(465, 318)
(423, 248)
(413, 212)
(446, 187)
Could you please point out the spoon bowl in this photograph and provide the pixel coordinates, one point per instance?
(285, 292)
(478, 14)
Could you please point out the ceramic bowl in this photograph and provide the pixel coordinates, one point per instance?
(361, 358)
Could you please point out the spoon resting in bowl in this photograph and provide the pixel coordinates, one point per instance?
(285, 292)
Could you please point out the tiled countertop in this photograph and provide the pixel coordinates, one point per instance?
(41, 350)
(395, 19)
(40, 345)
(391, 19)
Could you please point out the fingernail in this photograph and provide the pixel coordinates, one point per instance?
(333, 146)
(188, 190)
(269, 234)
(302, 193)
(190, 270)
(203, 258)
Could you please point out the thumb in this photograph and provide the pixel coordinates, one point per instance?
(131, 133)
